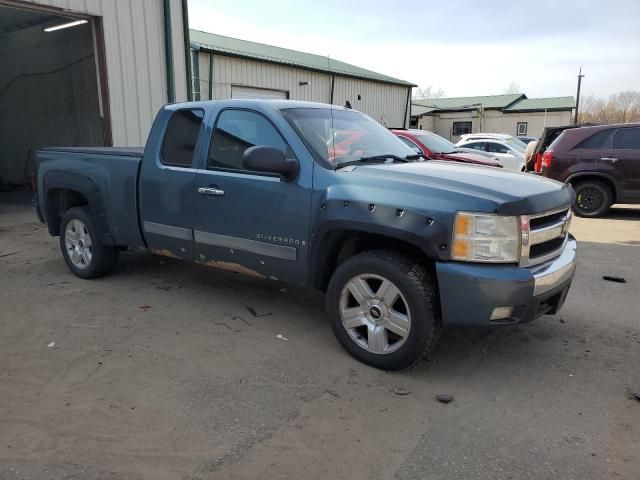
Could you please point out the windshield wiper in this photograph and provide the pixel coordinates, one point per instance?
(384, 156)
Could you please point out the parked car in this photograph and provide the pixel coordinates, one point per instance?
(602, 163)
(508, 149)
(435, 147)
(527, 140)
(402, 247)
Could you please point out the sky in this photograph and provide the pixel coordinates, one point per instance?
(464, 47)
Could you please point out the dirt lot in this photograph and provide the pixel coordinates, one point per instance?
(161, 372)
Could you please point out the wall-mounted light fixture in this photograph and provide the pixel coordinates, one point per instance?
(60, 26)
(304, 82)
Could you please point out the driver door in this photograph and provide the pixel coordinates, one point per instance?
(245, 221)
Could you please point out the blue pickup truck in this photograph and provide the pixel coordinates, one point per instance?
(402, 246)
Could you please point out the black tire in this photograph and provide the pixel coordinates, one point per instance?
(103, 258)
(417, 289)
(593, 198)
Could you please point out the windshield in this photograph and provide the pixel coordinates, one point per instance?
(346, 137)
(436, 143)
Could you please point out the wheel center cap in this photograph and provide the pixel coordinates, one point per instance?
(375, 313)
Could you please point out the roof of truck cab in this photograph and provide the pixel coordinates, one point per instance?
(274, 103)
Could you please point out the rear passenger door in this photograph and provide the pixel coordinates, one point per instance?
(623, 161)
(504, 153)
(586, 156)
(166, 192)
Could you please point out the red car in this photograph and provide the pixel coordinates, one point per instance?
(437, 148)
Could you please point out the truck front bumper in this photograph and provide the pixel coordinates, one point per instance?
(470, 294)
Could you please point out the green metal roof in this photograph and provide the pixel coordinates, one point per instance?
(269, 53)
(516, 102)
(461, 103)
(538, 104)
(420, 110)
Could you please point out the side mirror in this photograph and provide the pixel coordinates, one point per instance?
(270, 160)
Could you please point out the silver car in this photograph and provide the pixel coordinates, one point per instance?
(508, 149)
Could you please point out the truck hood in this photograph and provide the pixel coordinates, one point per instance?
(468, 186)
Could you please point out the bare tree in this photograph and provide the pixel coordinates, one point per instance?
(514, 87)
(622, 107)
(422, 93)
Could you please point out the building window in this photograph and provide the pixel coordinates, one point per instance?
(180, 138)
(195, 68)
(521, 128)
(461, 128)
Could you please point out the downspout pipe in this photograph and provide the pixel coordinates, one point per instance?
(406, 108)
(333, 82)
(168, 53)
(211, 75)
(187, 48)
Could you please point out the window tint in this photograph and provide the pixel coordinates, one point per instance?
(412, 145)
(627, 138)
(181, 137)
(496, 148)
(474, 145)
(238, 130)
(461, 128)
(597, 140)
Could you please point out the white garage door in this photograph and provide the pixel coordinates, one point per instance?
(250, 92)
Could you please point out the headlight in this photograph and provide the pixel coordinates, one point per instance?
(483, 237)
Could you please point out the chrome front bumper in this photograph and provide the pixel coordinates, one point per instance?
(548, 276)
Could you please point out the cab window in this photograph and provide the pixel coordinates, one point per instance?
(180, 139)
(235, 132)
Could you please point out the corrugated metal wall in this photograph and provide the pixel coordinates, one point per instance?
(134, 49)
(385, 103)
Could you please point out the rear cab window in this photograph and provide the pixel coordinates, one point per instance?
(180, 138)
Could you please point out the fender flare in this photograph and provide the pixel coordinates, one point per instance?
(86, 186)
(430, 235)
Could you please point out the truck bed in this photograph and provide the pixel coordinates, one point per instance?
(106, 176)
(116, 151)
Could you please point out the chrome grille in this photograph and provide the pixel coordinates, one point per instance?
(544, 236)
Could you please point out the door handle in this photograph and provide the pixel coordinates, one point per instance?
(211, 192)
(609, 159)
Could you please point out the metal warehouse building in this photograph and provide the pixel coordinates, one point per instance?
(226, 68)
(86, 72)
(514, 114)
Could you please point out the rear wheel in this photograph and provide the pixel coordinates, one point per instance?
(383, 309)
(82, 251)
(593, 198)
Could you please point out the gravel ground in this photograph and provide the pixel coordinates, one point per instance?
(160, 371)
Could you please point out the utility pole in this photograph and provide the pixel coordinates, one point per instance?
(580, 75)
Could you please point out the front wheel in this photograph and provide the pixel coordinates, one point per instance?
(82, 251)
(383, 309)
(593, 199)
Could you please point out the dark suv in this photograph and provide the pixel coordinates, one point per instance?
(602, 164)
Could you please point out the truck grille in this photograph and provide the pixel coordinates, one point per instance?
(544, 236)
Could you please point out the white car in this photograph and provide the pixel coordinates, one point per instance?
(508, 149)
